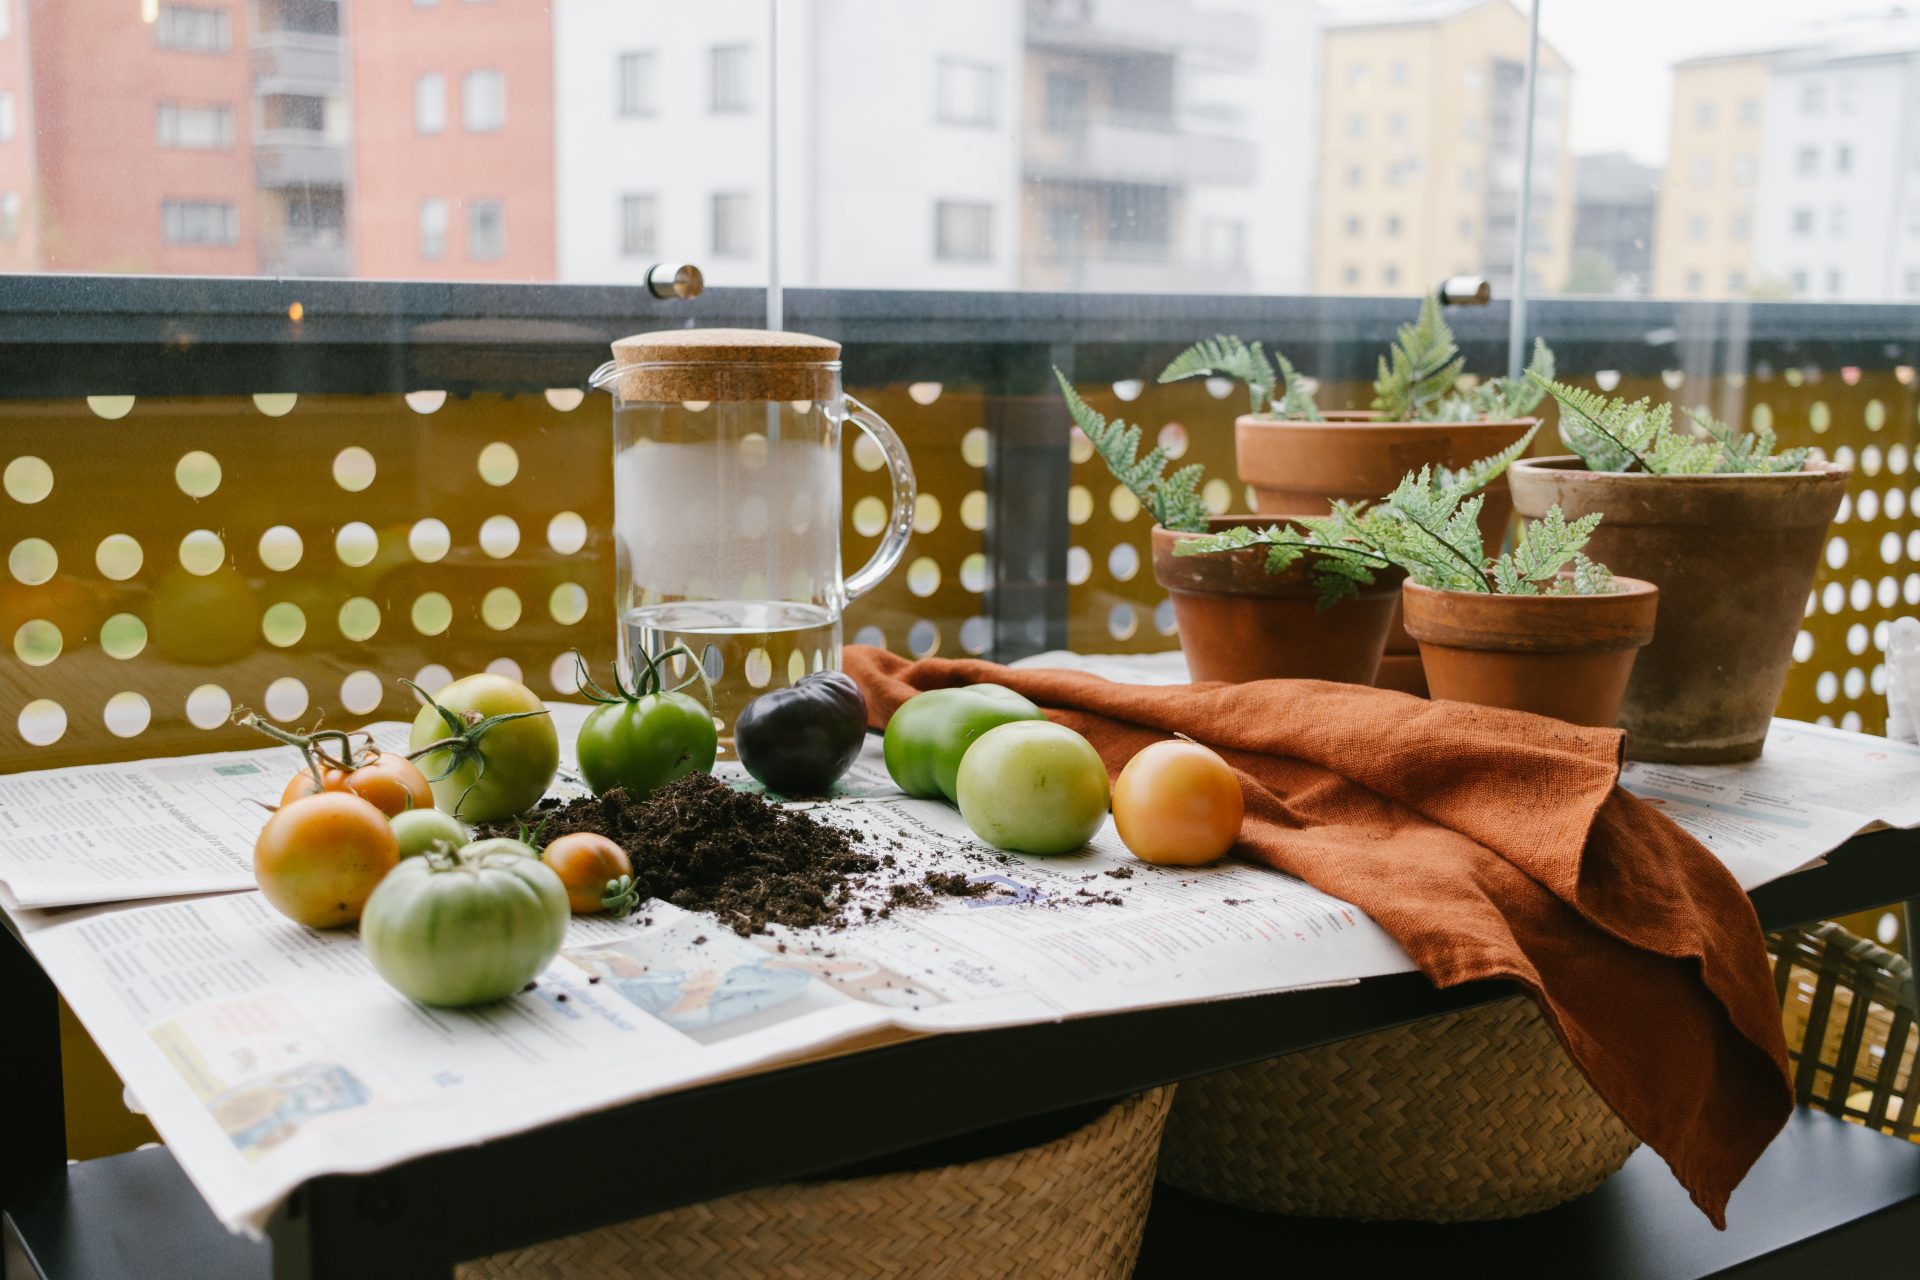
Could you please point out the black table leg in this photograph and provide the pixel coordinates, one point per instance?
(33, 1134)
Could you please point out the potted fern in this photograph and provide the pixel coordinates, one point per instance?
(1730, 530)
(1299, 459)
(1540, 628)
(1246, 614)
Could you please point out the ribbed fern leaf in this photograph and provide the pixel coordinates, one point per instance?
(1174, 500)
(1420, 369)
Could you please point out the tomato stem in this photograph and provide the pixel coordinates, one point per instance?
(308, 745)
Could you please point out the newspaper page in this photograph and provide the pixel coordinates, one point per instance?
(266, 1053)
(1811, 790)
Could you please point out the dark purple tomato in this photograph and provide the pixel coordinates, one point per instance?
(799, 741)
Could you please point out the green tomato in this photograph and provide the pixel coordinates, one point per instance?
(646, 742)
(419, 830)
(931, 732)
(493, 767)
(464, 928)
(501, 844)
(1033, 787)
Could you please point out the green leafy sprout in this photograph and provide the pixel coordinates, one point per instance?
(1620, 435)
(1422, 378)
(1173, 499)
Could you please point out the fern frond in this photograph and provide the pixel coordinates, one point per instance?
(1420, 369)
(1609, 435)
(1173, 500)
(1499, 398)
(1744, 451)
(1228, 356)
(1296, 405)
(1338, 571)
(1476, 476)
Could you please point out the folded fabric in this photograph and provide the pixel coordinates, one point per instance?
(1490, 844)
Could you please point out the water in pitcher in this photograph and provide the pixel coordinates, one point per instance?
(747, 646)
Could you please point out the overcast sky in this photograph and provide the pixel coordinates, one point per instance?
(1621, 49)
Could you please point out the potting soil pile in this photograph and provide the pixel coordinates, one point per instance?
(1489, 844)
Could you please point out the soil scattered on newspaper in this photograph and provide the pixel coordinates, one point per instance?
(704, 846)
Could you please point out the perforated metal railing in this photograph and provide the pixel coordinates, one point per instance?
(210, 503)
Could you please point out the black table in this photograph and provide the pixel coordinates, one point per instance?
(1826, 1194)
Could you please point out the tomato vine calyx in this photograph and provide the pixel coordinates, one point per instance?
(621, 897)
(464, 732)
(648, 681)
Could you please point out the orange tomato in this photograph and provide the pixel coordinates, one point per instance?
(1178, 804)
(391, 783)
(317, 861)
(585, 863)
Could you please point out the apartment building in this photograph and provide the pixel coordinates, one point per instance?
(1614, 199)
(453, 154)
(1795, 167)
(302, 135)
(1422, 142)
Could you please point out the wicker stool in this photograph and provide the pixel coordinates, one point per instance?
(1850, 1012)
(1073, 1207)
(1470, 1115)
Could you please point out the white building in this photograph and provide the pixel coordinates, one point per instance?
(919, 147)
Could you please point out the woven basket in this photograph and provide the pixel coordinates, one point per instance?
(1471, 1115)
(1071, 1207)
(1849, 1012)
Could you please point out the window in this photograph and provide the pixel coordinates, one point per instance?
(433, 229)
(1470, 79)
(186, 28)
(1739, 226)
(732, 225)
(1397, 73)
(1813, 98)
(1356, 125)
(201, 128)
(1702, 171)
(1349, 274)
(1843, 159)
(199, 222)
(6, 113)
(1837, 221)
(1736, 283)
(9, 201)
(968, 94)
(1397, 125)
(1913, 281)
(425, 4)
(1353, 225)
(635, 75)
(639, 225)
(1359, 75)
(1470, 127)
(486, 230)
(300, 112)
(430, 103)
(6, 25)
(1696, 283)
(727, 90)
(316, 215)
(1697, 227)
(1223, 242)
(1803, 222)
(483, 101)
(1749, 112)
(1356, 176)
(1469, 179)
(1466, 232)
(1066, 109)
(962, 231)
(1836, 282)
(1703, 115)
(1392, 224)
(1390, 275)
(1744, 170)
(1799, 279)
(1808, 160)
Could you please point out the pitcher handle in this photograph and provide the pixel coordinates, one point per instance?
(900, 522)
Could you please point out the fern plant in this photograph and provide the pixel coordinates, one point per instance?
(1618, 435)
(1421, 378)
(1173, 499)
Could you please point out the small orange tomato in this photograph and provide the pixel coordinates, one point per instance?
(391, 783)
(1178, 804)
(317, 861)
(586, 863)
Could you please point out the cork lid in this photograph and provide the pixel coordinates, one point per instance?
(724, 364)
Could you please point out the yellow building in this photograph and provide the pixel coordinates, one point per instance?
(1703, 234)
(1423, 111)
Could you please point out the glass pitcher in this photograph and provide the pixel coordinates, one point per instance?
(726, 504)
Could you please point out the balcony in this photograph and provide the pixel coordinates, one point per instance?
(1139, 149)
(299, 62)
(1145, 26)
(308, 254)
(298, 158)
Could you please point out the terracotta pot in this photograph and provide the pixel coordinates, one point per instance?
(1297, 468)
(1736, 556)
(1561, 656)
(1238, 622)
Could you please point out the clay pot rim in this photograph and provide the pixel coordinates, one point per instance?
(1629, 595)
(1248, 421)
(1293, 581)
(1569, 465)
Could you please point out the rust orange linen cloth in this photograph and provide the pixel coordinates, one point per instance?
(1490, 844)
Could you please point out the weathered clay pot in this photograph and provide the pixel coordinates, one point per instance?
(1735, 556)
(1561, 656)
(1298, 468)
(1238, 622)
